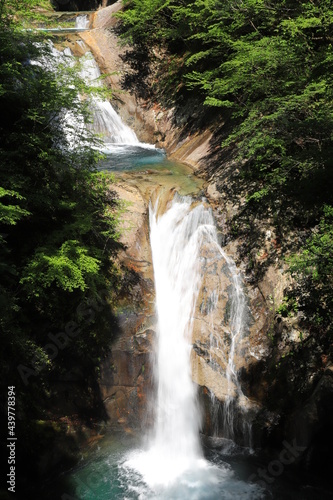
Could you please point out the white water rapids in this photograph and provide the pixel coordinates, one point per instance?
(173, 466)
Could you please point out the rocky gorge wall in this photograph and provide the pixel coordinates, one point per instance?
(292, 399)
(126, 377)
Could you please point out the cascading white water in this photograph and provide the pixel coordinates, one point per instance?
(105, 119)
(82, 22)
(177, 240)
(237, 325)
(235, 406)
(118, 141)
(176, 237)
(173, 466)
(72, 123)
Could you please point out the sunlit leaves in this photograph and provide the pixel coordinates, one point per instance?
(317, 257)
(9, 213)
(68, 267)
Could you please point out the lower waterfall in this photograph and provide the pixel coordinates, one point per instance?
(175, 242)
(173, 466)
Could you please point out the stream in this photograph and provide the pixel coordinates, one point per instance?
(171, 460)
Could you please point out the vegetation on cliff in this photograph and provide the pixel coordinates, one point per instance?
(266, 69)
(58, 237)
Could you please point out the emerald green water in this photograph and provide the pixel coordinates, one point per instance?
(105, 474)
(149, 168)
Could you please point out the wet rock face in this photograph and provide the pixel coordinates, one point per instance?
(126, 379)
(126, 374)
(295, 387)
(211, 334)
(215, 353)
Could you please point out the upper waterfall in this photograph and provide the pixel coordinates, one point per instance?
(82, 22)
(105, 119)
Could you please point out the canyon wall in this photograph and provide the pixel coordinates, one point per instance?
(263, 356)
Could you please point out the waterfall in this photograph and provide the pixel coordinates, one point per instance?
(236, 404)
(72, 123)
(106, 121)
(176, 237)
(179, 240)
(82, 22)
(237, 321)
(173, 465)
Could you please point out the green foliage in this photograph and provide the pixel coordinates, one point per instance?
(11, 214)
(270, 63)
(316, 260)
(266, 67)
(313, 268)
(58, 220)
(288, 307)
(68, 267)
(18, 12)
